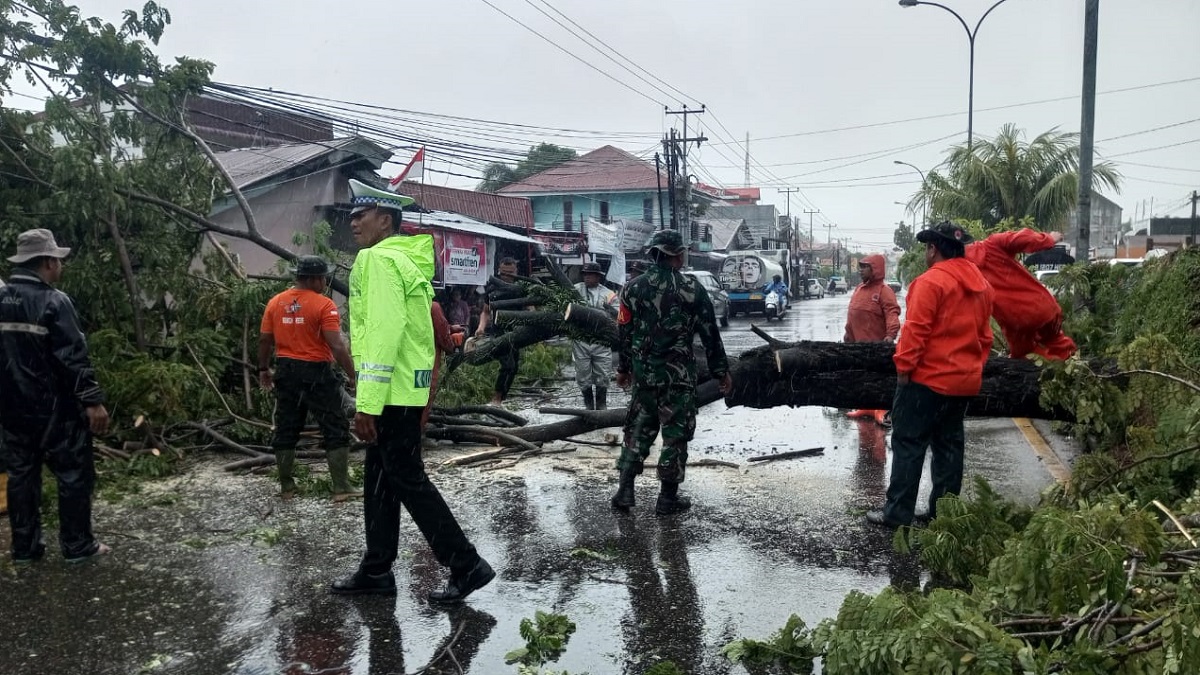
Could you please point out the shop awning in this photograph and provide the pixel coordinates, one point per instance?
(461, 223)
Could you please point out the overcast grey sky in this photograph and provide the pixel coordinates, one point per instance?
(768, 67)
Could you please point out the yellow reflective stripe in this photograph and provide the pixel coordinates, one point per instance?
(378, 366)
(31, 328)
(364, 377)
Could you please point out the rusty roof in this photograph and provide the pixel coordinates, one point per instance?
(482, 206)
(606, 169)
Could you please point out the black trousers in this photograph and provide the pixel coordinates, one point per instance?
(395, 476)
(63, 443)
(509, 365)
(302, 387)
(923, 418)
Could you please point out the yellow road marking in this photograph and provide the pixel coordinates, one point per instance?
(1054, 465)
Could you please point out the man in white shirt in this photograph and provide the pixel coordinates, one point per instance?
(593, 363)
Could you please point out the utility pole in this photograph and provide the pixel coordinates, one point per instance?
(1087, 128)
(829, 233)
(1195, 199)
(791, 225)
(669, 148)
(746, 182)
(812, 243)
(685, 223)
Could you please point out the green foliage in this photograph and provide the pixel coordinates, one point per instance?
(1069, 558)
(966, 535)
(1009, 177)
(476, 384)
(791, 648)
(539, 158)
(904, 237)
(545, 639)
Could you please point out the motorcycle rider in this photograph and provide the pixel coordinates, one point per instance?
(778, 287)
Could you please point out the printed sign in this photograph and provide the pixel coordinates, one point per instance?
(464, 259)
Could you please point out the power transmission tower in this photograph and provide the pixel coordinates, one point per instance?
(685, 222)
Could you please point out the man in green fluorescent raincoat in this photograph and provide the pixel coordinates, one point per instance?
(391, 340)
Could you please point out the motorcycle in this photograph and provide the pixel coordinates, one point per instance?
(776, 305)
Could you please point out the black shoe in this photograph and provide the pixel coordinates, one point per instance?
(669, 501)
(876, 518)
(365, 584)
(589, 399)
(601, 398)
(457, 590)
(36, 554)
(624, 499)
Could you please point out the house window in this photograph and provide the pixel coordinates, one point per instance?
(648, 210)
(604, 212)
(568, 215)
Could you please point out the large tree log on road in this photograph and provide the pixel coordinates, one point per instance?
(593, 322)
(862, 375)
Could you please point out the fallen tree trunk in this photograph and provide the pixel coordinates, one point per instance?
(515, 303)
(862, 375)
(593, 322)
(549, 321)
(491, 410)
(483, 350)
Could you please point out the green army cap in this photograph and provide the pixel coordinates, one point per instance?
(669, 242)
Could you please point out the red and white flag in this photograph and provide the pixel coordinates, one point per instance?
(416, 167)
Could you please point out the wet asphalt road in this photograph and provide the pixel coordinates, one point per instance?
(210, 575)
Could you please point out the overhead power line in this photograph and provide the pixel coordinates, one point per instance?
(573, 55)
(923, 118)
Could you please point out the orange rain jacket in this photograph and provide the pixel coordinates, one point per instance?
(1022, 304)
(874, 314)
(947, 331)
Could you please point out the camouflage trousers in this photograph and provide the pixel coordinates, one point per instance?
(669, 407)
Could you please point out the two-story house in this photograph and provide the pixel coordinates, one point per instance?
(605, 184)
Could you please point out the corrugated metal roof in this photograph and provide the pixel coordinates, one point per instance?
(724, 231)
(607, 169)
(483, 206)
(460, 223)
(248, 166)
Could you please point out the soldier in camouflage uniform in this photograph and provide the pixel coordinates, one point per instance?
(661, 312)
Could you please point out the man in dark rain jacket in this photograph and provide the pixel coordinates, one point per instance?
(50, 402)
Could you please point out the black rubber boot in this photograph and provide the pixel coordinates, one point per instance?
(669, 501)
(589, 399)
(601, 398)
(624, 499)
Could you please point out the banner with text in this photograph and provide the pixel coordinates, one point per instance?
(464, 259)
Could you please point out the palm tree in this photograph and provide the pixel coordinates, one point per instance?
(1007, 177)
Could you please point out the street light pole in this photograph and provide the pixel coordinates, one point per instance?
(971, 72)
(925, 197)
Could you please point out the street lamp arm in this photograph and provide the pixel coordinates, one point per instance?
(970, 35)
(985, 15)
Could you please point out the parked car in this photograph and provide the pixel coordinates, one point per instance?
(896, 286)
(814, 288)
(837, 284)
(720, 298)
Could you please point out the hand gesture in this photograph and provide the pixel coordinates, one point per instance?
(726, 385)
(364, 427)
(97, 419)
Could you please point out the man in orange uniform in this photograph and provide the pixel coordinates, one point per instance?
(939, 366)
(874, 315)
(1028, 314)
(304, 329)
